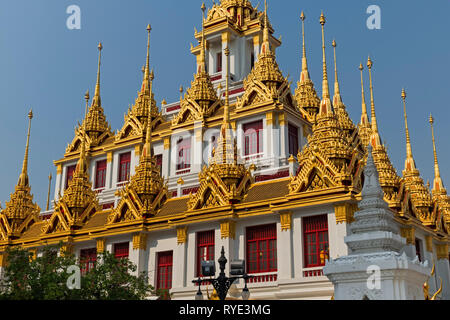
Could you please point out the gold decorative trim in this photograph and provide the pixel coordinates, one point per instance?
(166, 143)
(59, 169)
(344, 212)
(269, 119)
(233, 125)
(109, 157)
(137, 150)
(228, 229)
(409, 234)
(181, 235)
(66, 248)
(286, 220)
(429, 243)
(33, 254)
(442, 251)
(101, 245)
(256, 40)
(225, 37)
(282, 119)
(180, 181)
(199, 135)
(140, 241)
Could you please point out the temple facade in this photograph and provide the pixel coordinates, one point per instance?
(241, 161)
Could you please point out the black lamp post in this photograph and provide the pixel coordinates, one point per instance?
(222, 283)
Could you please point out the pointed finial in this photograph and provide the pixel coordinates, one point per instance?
(305, 73)
(372, 102)
(181, 93)
(147, 61)
(364, 116)
(438, 185)
(23, 178)
(265, 47)
(409, 162)
(97, 99)
(48, 193)
(227, 53)
(202, 63)
(325, 105)
(337, 93)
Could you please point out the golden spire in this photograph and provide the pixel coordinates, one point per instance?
(438, 185)
(81, 165)
(325, 105)
(202, 62)
(409, 162)
(337, 94)
(23, 178)
(181, 93)
(48, 193)
(147, 151)
(265, 47)
(364, 116)
(97, 100)
(145, 81)
(375, 138)
(305, 94)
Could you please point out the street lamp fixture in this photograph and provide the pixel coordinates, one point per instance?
(222, 283)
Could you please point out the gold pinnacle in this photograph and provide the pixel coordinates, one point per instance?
(431, 119)
(152, 75)
(149, 27)
(369, 63)
(322, 19)
(333, 43)
(203, 7)
(302, 16)
(227, 51)
(30, 114)
(360, 67)
(403, 94)
(100, 47)
(86, 95)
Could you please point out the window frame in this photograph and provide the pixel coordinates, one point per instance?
(205, 239)
(253, 135)
(267, 235)
(89, 261)
(320, 229)
(219, 62)
(183, 162)
(97, 171)
(69, 173)
(126, 176)
(293, 134)
(168, 272)
(121, 246)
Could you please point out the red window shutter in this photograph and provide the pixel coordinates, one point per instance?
(253, 137)
(124, 167)
(293, 139)
(69, 175)
(184, 154)
(164, 270)
(121, 250)
(315, 235)
(159, 161)
(88, 258)
(100, 174)
(262, 249)
(219, 62)
(205, 248)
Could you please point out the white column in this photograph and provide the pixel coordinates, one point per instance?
(284, 138)
(336, 234)
(228, 245)
(139, 257)
(109, 167)
(166, 159)
(284, 253)
(58, 181)
(197, 147)
(443, 272)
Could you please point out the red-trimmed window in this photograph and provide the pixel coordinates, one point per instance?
(88, 258)
(69, 174)
(315, 232)
(164, 270)
(262, 249)
(100, 174)
(253, 138)
(184, 153)
(293, 139)
(219, 62)
(205, 249)
(124, 166)
(159, 162)
(121, 250)
(418, 244)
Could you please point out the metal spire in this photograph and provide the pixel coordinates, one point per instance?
(23, 178)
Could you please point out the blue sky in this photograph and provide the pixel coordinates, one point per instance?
(48, 67)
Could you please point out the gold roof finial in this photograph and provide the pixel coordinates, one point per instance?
(305, 73)
(337, 94)
(376, 141)
(97, 100)
(438, 185)
(409, 162)
(202, 64)
(147, 61)
(48, 193)
(181, 93)
(265, 47)
(325, 105)
(364, 116)
(23, 178)
(147, 151)
(81, 165)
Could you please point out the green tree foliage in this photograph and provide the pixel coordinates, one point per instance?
(45, 277)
